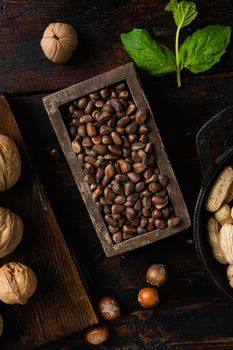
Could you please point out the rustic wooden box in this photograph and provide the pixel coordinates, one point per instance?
(52, 104)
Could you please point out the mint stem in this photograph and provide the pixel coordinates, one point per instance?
(177, 57)
(178, 78)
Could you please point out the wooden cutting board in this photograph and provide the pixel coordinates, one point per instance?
(61, 305)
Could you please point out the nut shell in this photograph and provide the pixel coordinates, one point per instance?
(226, 242)
(97, 335)
(58, 42)
(11, 231)
(10, 163)
(109, 308)
(157, 275)
(17, 283)
(148, 297)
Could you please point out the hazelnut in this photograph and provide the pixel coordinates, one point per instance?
(157, 275)
(97, 335)
(109, 308)
(148, 297)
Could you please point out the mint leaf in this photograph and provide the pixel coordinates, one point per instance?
(184, 13)
(171, 5)
(201, 50)
(148, 54)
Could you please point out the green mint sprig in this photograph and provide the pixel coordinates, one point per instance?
(198, 53)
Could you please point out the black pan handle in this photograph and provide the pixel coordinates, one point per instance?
(216, 123)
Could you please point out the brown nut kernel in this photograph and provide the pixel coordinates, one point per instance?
(140, 186)
(82, 130)
(154, 187)
(113, 229)
(121, 177)
(110, 170)
(124, 166)
(108, 193)
(131, 109)
(123, 121)
(105, 93)
(89, 107)
(143, 138)
(100, 149)
(94, 95)
(138, 205)
(140, 115)
(115, 150)
(91, 130)
(82, 102)
(87, 142)
(156, 213)
(134, 177)
(120, 199)
(148, 297)
(90, 160)
(158, 199)
(86, 118)
(97, 139)
(117, 208)
(117, 237)
(116, 138)
(133, 138)
(173, 222)
(118, 188)
(143, 129)
(129, 229)
(157, 275)
(76, 146)
(139, 167)
(128, 187)
(137, 146)
(110, 220)
(131, 128)
(130, 213)
(160, 224)
(105, 130)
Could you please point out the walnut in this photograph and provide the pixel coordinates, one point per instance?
(10, 163)
(17, 283)
(11, 231)
(58, 42)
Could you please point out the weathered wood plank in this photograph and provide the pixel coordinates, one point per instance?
(60, 305)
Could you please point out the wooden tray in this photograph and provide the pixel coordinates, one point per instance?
(60, 305)
(53, 104)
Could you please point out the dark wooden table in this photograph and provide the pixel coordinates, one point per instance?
(192, 314)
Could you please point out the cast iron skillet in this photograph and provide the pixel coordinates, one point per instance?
(211, 169)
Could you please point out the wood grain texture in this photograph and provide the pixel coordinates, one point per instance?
(191, 309)
(60, 305)
(24, 68)
(192, 314)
